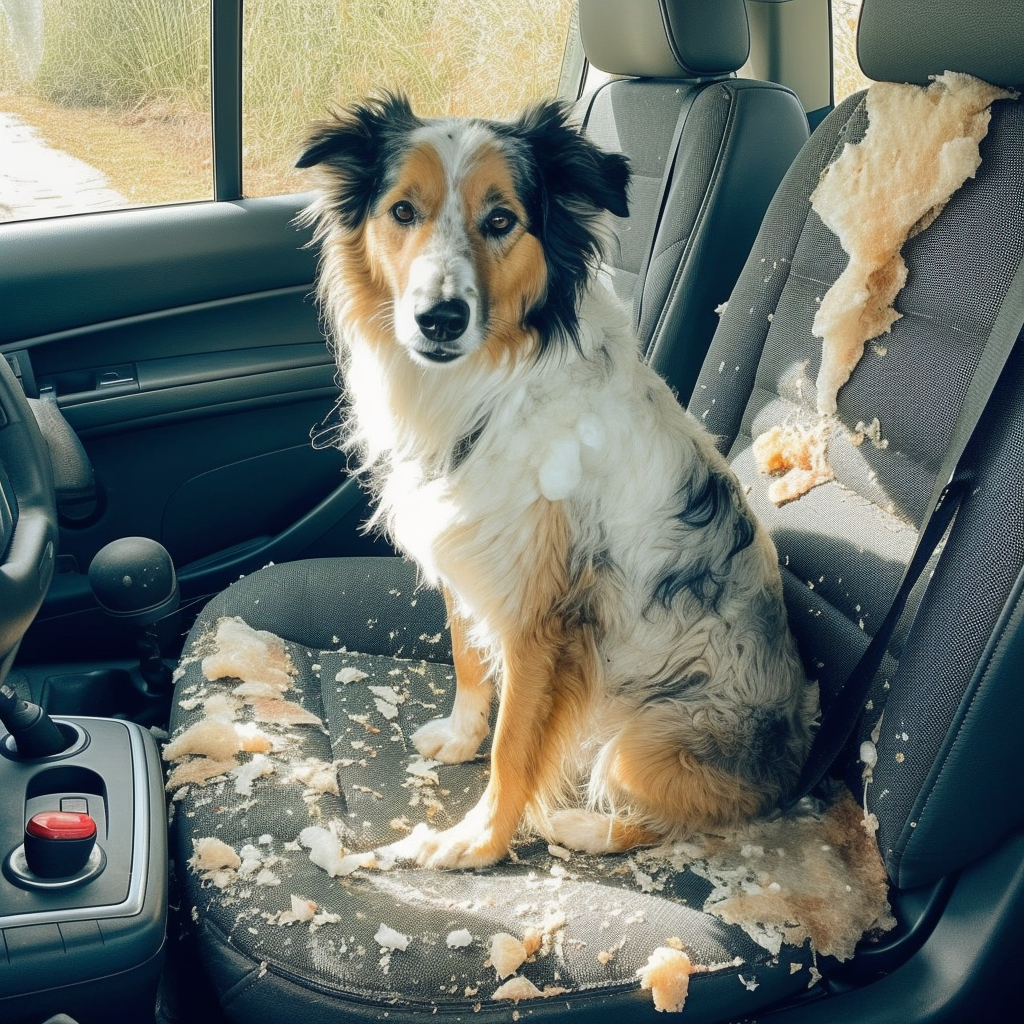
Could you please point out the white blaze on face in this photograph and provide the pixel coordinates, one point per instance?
(445, 267)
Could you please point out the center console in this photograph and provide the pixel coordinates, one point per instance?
(82, 906)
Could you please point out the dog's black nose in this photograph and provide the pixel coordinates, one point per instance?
(445, 321)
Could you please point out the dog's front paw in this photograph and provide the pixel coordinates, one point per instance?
(442, 741)
(463, 846)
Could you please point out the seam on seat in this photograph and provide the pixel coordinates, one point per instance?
(682, 264)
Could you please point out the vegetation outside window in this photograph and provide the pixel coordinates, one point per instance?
(103, 103)
(482, 58)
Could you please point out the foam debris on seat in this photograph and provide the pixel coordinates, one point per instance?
(250, 655)
(507, 940)
(667, 975)
(921, 145)
(797, 455)
(813, 875)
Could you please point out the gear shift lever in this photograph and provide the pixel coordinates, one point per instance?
(133, 580)
(34, 733)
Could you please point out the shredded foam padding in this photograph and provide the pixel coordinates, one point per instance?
(522, 988)
(921, 145)
(251, 655)
(198, 771)
(667, 975)
(507, 954)
(281, 712)
(213, 737)
(814, 874)
(214, 860)
(797, 454)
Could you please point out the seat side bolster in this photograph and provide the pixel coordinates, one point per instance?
(699, 251)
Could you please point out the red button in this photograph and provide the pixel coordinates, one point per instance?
(61, 825)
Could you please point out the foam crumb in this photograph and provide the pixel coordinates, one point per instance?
(458, 939)
(198, 771)
(667, 975)
(874, 203)
(350, 675)
(797, 454)
(214, 860)
(327, 852)
(388, 938)
(281, 712)
(519, 988)
(246, 774)
(209, 737)
(302, 910)
(507, 954)
(317, 776)
(869, 431)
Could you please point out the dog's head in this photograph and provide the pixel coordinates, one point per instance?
(480, 235)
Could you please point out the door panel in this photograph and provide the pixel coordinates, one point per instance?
(184, 348)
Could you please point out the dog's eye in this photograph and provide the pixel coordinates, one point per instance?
(403, 212)
(499, 222)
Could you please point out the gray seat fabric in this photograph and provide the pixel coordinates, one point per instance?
(267, 971)
(681, 249)
(948, 738)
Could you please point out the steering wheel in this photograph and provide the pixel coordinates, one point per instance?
(28, 517)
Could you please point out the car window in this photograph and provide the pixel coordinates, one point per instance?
(847, 77)
(107, 103)
(103, 103)
(486, 58)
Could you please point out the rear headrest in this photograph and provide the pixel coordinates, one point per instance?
(911, 40)
(665, 38)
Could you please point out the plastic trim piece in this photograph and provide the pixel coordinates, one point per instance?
(133, 903)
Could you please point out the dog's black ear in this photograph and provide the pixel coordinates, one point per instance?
(355, 146)
(575, 171)
(573, 183)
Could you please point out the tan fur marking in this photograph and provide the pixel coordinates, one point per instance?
(511, 270)
(667, 784)
(391, 247)
(547, 676)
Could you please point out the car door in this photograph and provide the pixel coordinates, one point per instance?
(180, 341)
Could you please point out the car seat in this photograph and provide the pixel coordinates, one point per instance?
(707, 151)
(941, 716)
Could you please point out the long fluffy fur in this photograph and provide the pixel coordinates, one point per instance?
(598, 559)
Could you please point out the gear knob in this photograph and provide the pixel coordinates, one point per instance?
(133, 579)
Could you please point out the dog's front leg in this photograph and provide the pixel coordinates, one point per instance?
(458, 737)
(521, 754)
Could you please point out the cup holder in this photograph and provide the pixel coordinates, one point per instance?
(77, 739)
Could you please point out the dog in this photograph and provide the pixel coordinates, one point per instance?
(599, 563)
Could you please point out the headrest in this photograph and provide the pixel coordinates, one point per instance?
(911, 40)
(665, 38)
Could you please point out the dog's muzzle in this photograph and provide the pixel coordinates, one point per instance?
(444, 322)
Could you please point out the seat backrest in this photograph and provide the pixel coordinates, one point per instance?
(944, 707)
(682, 247)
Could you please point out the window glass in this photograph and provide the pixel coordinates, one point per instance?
(847, 77)
(103, 103)
(485, 58)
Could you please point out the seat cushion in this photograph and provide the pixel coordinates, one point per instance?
(598, 918)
